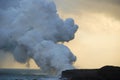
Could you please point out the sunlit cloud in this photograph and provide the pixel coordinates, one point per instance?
(97, 41)
(108, 7)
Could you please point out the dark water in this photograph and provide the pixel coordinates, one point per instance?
(26, 77)
(24, 74)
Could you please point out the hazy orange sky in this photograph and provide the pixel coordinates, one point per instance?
(97, 41)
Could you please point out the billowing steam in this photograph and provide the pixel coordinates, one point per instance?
(33, 30)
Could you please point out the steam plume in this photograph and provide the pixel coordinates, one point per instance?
(33, 29)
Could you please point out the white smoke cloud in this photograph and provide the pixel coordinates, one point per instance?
(33, 29)
(50, 56)
(5, 4)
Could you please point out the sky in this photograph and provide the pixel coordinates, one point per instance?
(97, 41)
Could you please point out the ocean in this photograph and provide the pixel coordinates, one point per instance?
(24, 74)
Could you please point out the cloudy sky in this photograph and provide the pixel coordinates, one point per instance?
(97, 42)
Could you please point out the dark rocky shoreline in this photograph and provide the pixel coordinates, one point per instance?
(104, 73)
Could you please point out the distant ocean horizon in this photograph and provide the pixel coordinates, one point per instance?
(20, 71)
(24, 74)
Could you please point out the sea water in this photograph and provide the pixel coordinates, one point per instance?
(25, 74)
(13, 77)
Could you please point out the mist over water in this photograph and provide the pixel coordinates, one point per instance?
(32, 30)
